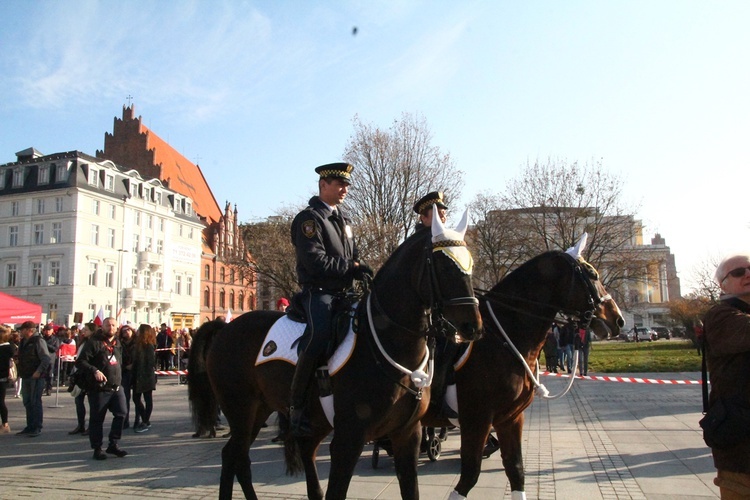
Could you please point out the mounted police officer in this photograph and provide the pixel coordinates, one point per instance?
(327, 264)
(445, 349)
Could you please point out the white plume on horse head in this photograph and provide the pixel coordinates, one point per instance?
(576, 251)
(455, 248)
(437, 226)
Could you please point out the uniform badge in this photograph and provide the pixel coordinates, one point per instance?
(269, 348)
(308, 228)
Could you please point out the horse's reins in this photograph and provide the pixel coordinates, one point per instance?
(437, 325)
(586, 316)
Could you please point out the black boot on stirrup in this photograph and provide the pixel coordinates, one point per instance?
(299, 423)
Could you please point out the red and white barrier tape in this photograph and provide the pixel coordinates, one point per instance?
(171, 372)
(634, 380)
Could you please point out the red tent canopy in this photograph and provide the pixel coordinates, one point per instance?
(14, 310)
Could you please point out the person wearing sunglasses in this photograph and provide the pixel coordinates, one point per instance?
(727, 341)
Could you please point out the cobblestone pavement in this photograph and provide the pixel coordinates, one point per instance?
(604, 440)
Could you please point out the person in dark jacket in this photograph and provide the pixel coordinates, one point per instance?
(83, 336)
(101, 360)
(144, 377)
(33, 362)
(727, 341)
(327, 264)
(128, 344)
(53, 344)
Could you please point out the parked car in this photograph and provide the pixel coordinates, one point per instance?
(643, 334)
(662, 332)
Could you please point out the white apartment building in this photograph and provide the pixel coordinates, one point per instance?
(79, 234)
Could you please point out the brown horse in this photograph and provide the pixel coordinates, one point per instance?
(493, 385)
(424, 288)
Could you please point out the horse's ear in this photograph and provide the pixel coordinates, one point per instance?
(464, 224)
(576, 251)
(437, 225)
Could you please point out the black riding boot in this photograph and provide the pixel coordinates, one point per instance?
(299, 421)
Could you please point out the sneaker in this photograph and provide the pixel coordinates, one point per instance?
(85, 432)
(140, 428)
(5, 429)
(99, 454)
(113, 449)
(34, 433)
(25, 431)
(77, 430)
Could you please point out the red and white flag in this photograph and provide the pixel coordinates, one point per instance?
(99, 320)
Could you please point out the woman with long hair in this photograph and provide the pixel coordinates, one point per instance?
(7, 352)
(144, 376)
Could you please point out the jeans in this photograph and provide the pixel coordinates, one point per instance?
(31, 392)
(568, 357)
(583, 360)
(99, 403)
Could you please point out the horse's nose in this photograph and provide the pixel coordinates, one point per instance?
(620, 322)
(472, 330)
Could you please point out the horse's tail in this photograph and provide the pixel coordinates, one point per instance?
(292, 455)
(203, 403)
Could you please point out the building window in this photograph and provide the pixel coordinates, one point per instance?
(134, 278)
(38, 234)
(111, 238)
(178, 284)
(147, 244)
(157, 197)
(207, 298)
(112, 211)
(136, 242)
(2, 179)
(14, 208)
(93, 271)
(147, 279)
(222, 274)
(95, 205)
(92, 311)
(158, 281)
(207, 272)
(147, 193)
(180, 229)
(133, 190)
(241, 301)
(93, 177)
(52, 312)
(18, 175)
(54, 272)
(189, 286)
(137, 216)
(159, 246)
(188, 208)
(232, 276)
(56, 232)
(13, 236)
(10, 275)
(36, 274)
(109, 182)
(109, 276)
(40, 206)
(222, 299)
(61, 173)
(231, 299)
(161, 224)
(44, 174)
(149, 221)
(94, 234)
(58, 204)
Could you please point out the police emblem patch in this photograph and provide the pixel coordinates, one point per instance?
(308, 228)
(269, 348)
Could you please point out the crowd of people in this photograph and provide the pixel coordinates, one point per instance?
(112, 368)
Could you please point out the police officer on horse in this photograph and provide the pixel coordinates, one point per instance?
(327, 264)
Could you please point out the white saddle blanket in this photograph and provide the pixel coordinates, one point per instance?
(279, 345)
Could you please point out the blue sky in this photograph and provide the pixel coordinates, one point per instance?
(259, 93)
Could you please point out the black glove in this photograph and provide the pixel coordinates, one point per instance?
(361, 270)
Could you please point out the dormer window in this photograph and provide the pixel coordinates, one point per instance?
(18, 175)
(188, 208)
(109, 182)
(61, 172)
(43, 174)
(93, 177)
(133, 190)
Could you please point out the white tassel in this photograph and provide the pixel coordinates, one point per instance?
(455, 496)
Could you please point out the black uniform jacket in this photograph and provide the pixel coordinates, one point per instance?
(98, 353)
(325, 247)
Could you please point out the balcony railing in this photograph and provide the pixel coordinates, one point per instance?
(148, 259)
(142, 295)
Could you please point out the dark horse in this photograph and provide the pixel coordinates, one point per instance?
(423, 288)
(493, 385)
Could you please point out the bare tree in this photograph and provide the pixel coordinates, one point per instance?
(550, 205)
(702, 277)
(393, 168)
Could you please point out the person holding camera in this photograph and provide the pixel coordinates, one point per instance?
(101, 360)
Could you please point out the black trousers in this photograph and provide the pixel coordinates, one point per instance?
(99, 404)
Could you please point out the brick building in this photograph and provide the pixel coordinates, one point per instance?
(223, 288)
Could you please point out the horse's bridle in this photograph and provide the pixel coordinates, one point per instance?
(585, 273)
(438, 324)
